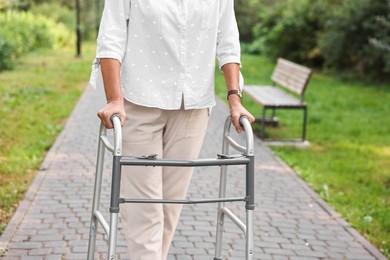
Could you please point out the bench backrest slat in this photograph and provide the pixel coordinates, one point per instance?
(291, 76)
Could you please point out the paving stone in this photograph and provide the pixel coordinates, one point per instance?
(10, 257)
(55, 257)
(279, 251)
(25, 245)
(305, 258)
(359, 257)
(17, 252)
(31, 258)
(307, 252)
(40, 252)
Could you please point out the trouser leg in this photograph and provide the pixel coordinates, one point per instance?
(143, 223)
(183, 139)
(170, 134)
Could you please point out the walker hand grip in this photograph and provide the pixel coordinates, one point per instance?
(117, 147)
(242, 118)
(113, 118)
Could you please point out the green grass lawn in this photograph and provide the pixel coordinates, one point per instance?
(348, 162)
(36, 99)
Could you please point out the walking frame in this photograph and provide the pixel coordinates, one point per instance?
(223, 160)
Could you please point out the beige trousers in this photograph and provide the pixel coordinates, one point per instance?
(172, 134)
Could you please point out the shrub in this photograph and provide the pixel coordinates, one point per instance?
(290, 29)
(5, 54)
(247, 18)
(356, 36)
(56, 12)
(21, 32)
(6, 5)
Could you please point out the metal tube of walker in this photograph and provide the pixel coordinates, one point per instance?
(249, 151)
(96, 195)
(115, 187)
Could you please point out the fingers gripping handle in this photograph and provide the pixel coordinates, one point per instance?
(244, 122)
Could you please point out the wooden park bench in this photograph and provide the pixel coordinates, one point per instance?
(287, 92)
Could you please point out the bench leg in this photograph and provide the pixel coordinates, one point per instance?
(304, 123)
(273, 114)
(262, 134)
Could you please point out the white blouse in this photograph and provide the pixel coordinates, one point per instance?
(167, 48)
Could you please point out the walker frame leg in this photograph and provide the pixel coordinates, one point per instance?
(114, 207)
(249, 199)
(96, 197)
(222, 194)
(112, 236)
(250, 206)
(221, 215)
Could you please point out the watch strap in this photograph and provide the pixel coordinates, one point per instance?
(232, 92)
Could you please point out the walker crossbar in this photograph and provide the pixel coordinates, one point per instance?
(184, 163)
(200, 201)
(223, 160)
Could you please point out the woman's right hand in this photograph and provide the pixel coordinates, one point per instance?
(111, 108)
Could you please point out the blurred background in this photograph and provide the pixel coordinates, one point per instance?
(353, 34)
(47, 48)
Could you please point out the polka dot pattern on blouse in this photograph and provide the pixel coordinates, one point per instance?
(167, 48)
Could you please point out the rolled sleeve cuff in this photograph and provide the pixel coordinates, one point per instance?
(109, 54)
(231, 59)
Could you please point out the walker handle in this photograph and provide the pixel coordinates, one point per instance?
(242, 118)
(244, 121)
(249, 148)
(112, 118)
(116, 121)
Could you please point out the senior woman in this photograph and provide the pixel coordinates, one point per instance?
(157, 59)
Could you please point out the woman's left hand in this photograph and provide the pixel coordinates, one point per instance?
(237, 111)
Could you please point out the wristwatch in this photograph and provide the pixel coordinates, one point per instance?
(234, 91)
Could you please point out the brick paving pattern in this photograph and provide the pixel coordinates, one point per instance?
(291, 221)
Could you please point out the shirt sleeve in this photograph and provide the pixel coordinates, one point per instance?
(228, 40)
(112, 36)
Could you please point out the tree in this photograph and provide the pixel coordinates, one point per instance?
(290, 29)
(247, 18)
(357, 36)
(13, 4)
(381, 38)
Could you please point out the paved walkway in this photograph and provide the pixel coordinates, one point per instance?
(291, 221)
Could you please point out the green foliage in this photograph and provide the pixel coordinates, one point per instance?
(25, 5)
(67, 3)
(246, 18)
(6, 5)
(56, 12)
(62, 11)
(289, 29)
(22, 32)
(357, 35)
(352, 35)
(5, 54)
